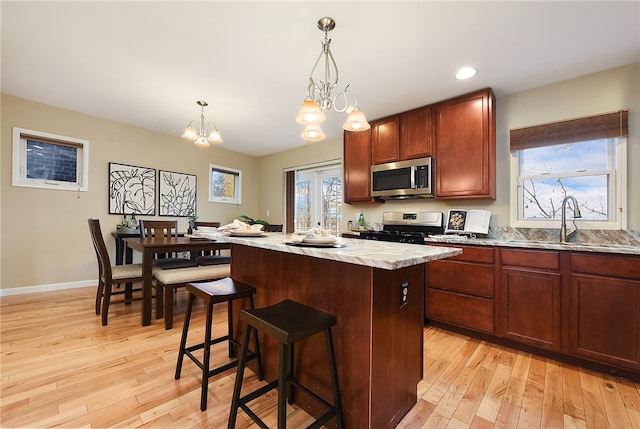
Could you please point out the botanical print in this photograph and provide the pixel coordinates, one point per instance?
(132, 189)
(177, 194)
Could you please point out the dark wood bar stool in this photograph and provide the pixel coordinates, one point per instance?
(224, 290)
(288, 322)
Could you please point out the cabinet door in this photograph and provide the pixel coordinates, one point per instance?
(531, 307)
(357, 166)
(416, 134)
(385, 137)
(465, 147)
(605, 317)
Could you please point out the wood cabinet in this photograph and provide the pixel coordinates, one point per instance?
(530, 291)
(605, 309)
(460, 289)
(408, 135)
(357, 166)
(465, 146)
(385, 140)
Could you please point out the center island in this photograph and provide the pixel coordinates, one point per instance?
(379, 334)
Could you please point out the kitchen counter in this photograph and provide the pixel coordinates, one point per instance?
(376, 291)
(377, 254)
(531, 244)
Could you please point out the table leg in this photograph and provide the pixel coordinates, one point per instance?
(147, 286)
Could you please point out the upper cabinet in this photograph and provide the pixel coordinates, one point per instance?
(416, 133)
(357, 166)
(408, 135)
(465, 146)
(385, 137)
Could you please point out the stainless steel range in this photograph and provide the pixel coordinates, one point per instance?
(407, 227)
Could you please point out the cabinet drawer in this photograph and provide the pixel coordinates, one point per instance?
(471, 253)
(530, 258)
(468, 312)
(473, 279)
(616, 266)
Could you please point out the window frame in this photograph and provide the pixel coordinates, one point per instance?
(19, 161)
(617, 189)
(237, 198)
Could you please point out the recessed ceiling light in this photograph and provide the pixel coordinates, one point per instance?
(466, 73)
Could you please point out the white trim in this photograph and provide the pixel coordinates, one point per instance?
(48, 287)
(19, 162)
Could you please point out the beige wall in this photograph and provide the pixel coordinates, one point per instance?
(44, 236)
(602, 92)
(44, 233)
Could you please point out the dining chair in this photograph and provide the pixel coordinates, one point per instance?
(111, 275)
(272, 228)
(168, 281)
(213, 257)
(164, 228)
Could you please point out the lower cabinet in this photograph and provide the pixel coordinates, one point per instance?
(461, 289)
(575, 304)
(530, 310)
(605, 309)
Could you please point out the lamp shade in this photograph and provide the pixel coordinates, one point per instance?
(215, 137)
(201, 141)
(310, 113)
(356, 121)
(190, 133)
(313, 133)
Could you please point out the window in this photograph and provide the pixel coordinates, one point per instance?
(318, 198)
(49, 161)
(561, 159)
(225, 185)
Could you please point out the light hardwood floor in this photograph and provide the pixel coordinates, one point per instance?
(60, 367)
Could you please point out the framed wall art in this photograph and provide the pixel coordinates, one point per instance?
(132, 189)
(177, 194)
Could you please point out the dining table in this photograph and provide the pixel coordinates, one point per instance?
(151, 246)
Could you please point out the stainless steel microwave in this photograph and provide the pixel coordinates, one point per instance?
(402, 179)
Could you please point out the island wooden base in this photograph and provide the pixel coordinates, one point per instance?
(378, 342)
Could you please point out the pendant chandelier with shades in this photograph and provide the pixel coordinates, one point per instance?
(319, 98)
(199, 138)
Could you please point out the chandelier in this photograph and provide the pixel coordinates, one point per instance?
(319, 98)
(199, 138)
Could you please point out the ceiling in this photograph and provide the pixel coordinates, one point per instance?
(147, 63)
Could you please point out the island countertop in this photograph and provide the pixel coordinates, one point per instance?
(376, 254)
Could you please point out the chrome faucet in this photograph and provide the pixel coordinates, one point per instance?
(576, 214)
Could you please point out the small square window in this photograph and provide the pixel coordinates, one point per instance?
(225, 185)
(49, 161)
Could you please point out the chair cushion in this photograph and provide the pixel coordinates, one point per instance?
(192, 274)
(126, 271)
(213, 260)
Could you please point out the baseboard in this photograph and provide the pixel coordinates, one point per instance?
(47, 288)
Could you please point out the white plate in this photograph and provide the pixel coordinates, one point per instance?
(319, 240)
(247, 233)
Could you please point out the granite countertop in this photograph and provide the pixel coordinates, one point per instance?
(385, 255)
(538, 244)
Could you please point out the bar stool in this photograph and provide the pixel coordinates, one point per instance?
(288, 322)
(223, 290)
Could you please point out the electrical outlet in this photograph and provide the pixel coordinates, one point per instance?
(404, 294)
(268, 213)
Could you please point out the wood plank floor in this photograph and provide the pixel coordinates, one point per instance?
(61, 368)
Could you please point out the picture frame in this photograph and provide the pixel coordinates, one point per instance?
(177, 194)
(132, 189)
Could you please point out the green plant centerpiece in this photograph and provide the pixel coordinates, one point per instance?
(251, 221)
(193, 218)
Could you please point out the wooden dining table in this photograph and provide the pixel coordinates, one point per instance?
(149, 247)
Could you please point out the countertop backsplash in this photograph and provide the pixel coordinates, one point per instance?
(592, 236)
